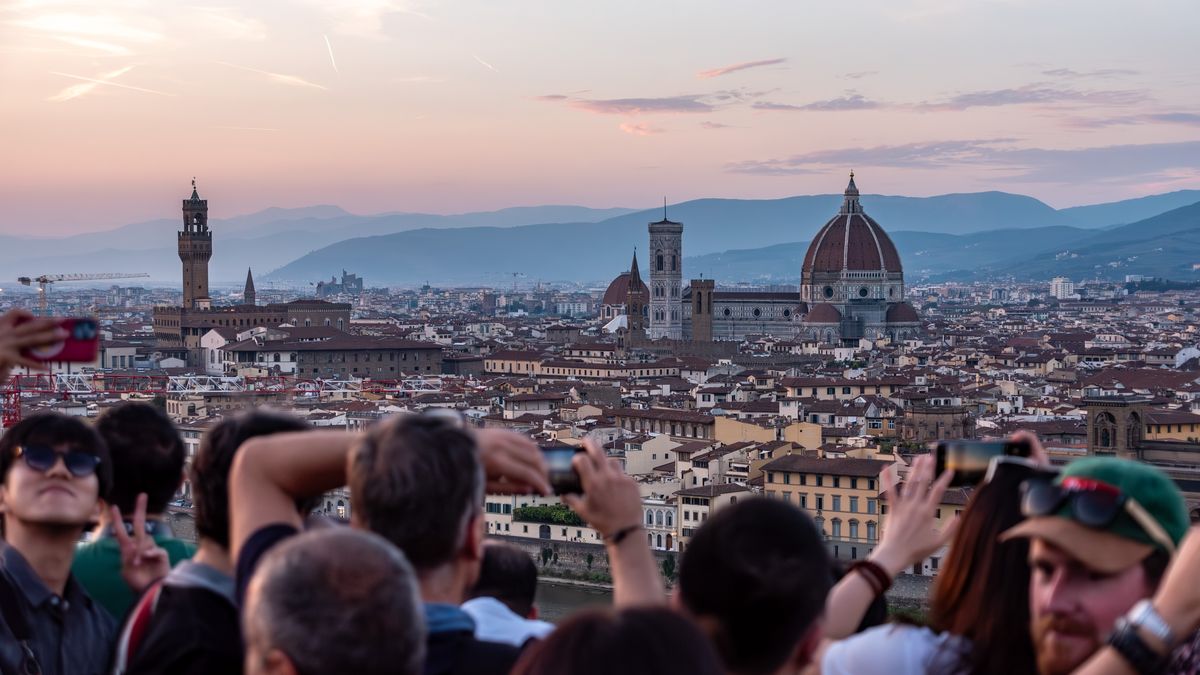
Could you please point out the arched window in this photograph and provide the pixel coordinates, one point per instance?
(341, 508)
(658, 261)
(835, 526)
(658, 518)
(854, 529)
(670, 519)
(673, 266)
(649, 517)
(660, 545)
(870, 530)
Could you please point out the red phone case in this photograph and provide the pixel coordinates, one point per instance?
(82, 344)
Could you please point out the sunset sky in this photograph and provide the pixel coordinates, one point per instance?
(109, 107)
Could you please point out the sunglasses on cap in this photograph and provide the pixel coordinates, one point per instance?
(42, 458)
(1092, 503)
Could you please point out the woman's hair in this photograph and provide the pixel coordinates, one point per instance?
(982, 589)
(643, 641)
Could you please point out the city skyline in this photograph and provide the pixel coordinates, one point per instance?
(448, 108)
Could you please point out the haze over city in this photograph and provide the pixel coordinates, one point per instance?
(110, 108)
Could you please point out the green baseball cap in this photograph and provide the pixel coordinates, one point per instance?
(1154, 511)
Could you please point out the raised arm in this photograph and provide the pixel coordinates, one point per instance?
(271, 472)
(612, 505)
(19, 330)
(911, 535)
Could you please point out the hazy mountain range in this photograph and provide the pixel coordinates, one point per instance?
(973, 235)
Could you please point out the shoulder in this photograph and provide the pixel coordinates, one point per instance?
(460, 652)
(892, 649)
(258, 545)
(177, 549)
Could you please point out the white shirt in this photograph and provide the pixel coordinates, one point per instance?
(894, 649)
(495, 622)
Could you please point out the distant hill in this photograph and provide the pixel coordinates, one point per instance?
(1130, 210)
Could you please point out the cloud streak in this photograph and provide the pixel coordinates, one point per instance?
(1034, 94)
(329, 46)
(90, 83)
(1179, 118)
(639, 129)
(485, 64)
(841, 104)
(1103, 73)
(1000, 158)
(737, 67)
(281, 78)
(643, 106)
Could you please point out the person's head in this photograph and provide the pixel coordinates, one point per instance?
(55, 471)
(147, 456)
(334, 601)
(417, 481)
(645, 641)
(981, 592)
(1100, 536)
(755, 577)
(509, 575)
(209, 473)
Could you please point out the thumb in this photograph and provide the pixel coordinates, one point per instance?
(574, 502)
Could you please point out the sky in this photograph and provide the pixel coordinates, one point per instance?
(108, 108)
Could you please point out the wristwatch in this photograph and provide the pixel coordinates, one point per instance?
(1132, 648)
(1144, 616)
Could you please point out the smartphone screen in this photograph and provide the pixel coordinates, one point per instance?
(82, 344)
(563, 478)
(969, 459)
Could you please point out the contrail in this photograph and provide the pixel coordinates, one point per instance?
(278, 77)
(485, 64)
(79, 90)
(330, 48)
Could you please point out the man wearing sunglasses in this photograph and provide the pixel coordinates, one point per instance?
(55, 470)
(1101, 534)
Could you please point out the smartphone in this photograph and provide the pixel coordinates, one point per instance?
(969, 459)
(564, 480)
(82, 344)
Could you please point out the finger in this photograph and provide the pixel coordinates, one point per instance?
(516, 472)
(947, 533)
(34, 326)
(595, 454)
(574, 502)
(938, 489)
(118, 529)
(585, 467)
(139, 521)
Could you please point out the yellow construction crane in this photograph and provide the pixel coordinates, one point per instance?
(46, 279)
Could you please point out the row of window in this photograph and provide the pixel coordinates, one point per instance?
(785, 477)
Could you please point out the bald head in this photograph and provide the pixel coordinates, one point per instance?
(334, 601)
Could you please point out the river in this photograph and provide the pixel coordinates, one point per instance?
(556, 601)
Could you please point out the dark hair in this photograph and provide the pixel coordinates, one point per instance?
(147, 455)
(760, 569)
(643, 641)
(509, 575)
(415, 480)
(56, 429)
(209, 474)
(982, 589)
(338, 601)
(1154, 566)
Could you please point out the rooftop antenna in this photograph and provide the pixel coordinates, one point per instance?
(664, 207)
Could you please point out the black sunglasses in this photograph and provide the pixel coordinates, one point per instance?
(42, 458)
(1092, 503)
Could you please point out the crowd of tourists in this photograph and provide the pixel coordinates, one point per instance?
(1087, 568)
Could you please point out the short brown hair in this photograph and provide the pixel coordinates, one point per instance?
(642, 641)
(415, 480)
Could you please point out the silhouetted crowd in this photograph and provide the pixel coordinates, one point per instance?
(1084, 569)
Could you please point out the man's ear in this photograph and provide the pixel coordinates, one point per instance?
(807, 647)
(476, 532)
(277, 663)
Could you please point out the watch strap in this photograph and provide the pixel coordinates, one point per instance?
(1126, 641)
(1144, 616)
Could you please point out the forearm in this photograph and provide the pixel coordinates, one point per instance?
(636, 579)
(270, 473)
(851, 597)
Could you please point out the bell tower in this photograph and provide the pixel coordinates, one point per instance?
(635, 305)
(195, 250)
(666, 278)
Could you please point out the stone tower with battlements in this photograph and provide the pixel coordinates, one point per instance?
(195, 250)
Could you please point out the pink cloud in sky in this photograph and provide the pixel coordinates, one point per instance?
(733, 68)
(640, 129)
